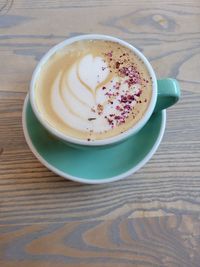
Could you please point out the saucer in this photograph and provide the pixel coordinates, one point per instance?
(93, 166)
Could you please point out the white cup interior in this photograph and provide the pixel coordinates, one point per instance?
(106, 141)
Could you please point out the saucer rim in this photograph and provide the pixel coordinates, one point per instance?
(85, 180)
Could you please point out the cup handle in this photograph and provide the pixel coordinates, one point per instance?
(168, 93)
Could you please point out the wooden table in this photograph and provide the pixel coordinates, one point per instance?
(149, 219)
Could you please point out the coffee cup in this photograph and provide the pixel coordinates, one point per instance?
(97, 91)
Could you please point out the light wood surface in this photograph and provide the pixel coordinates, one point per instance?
(149, 219)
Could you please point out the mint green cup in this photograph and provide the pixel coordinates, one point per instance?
(165, 93)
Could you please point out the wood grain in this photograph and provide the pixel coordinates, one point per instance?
(148, 219)
(165, 241)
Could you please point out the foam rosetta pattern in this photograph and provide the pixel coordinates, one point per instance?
(86, 94)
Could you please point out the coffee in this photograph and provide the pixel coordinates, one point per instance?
(93, 89)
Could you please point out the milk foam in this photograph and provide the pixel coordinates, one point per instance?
(93, 89)
(77, 94)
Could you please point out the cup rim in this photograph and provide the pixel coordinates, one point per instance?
(106, 141)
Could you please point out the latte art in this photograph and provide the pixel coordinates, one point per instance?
(93, 90)
(75, 94)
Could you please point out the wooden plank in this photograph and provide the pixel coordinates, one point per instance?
(168, 35)
(157, 241)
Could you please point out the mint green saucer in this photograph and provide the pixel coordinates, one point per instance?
(93, 166)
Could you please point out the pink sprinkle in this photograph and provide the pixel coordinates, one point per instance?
(117, 117)
(118, 108)
(127, 107)
(109, 54)
(139, 93)
(123, 99)
(108, 94)
(117, 85)
(131, 97)
(110, 121)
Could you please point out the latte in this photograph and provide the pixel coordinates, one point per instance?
(93, 89)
